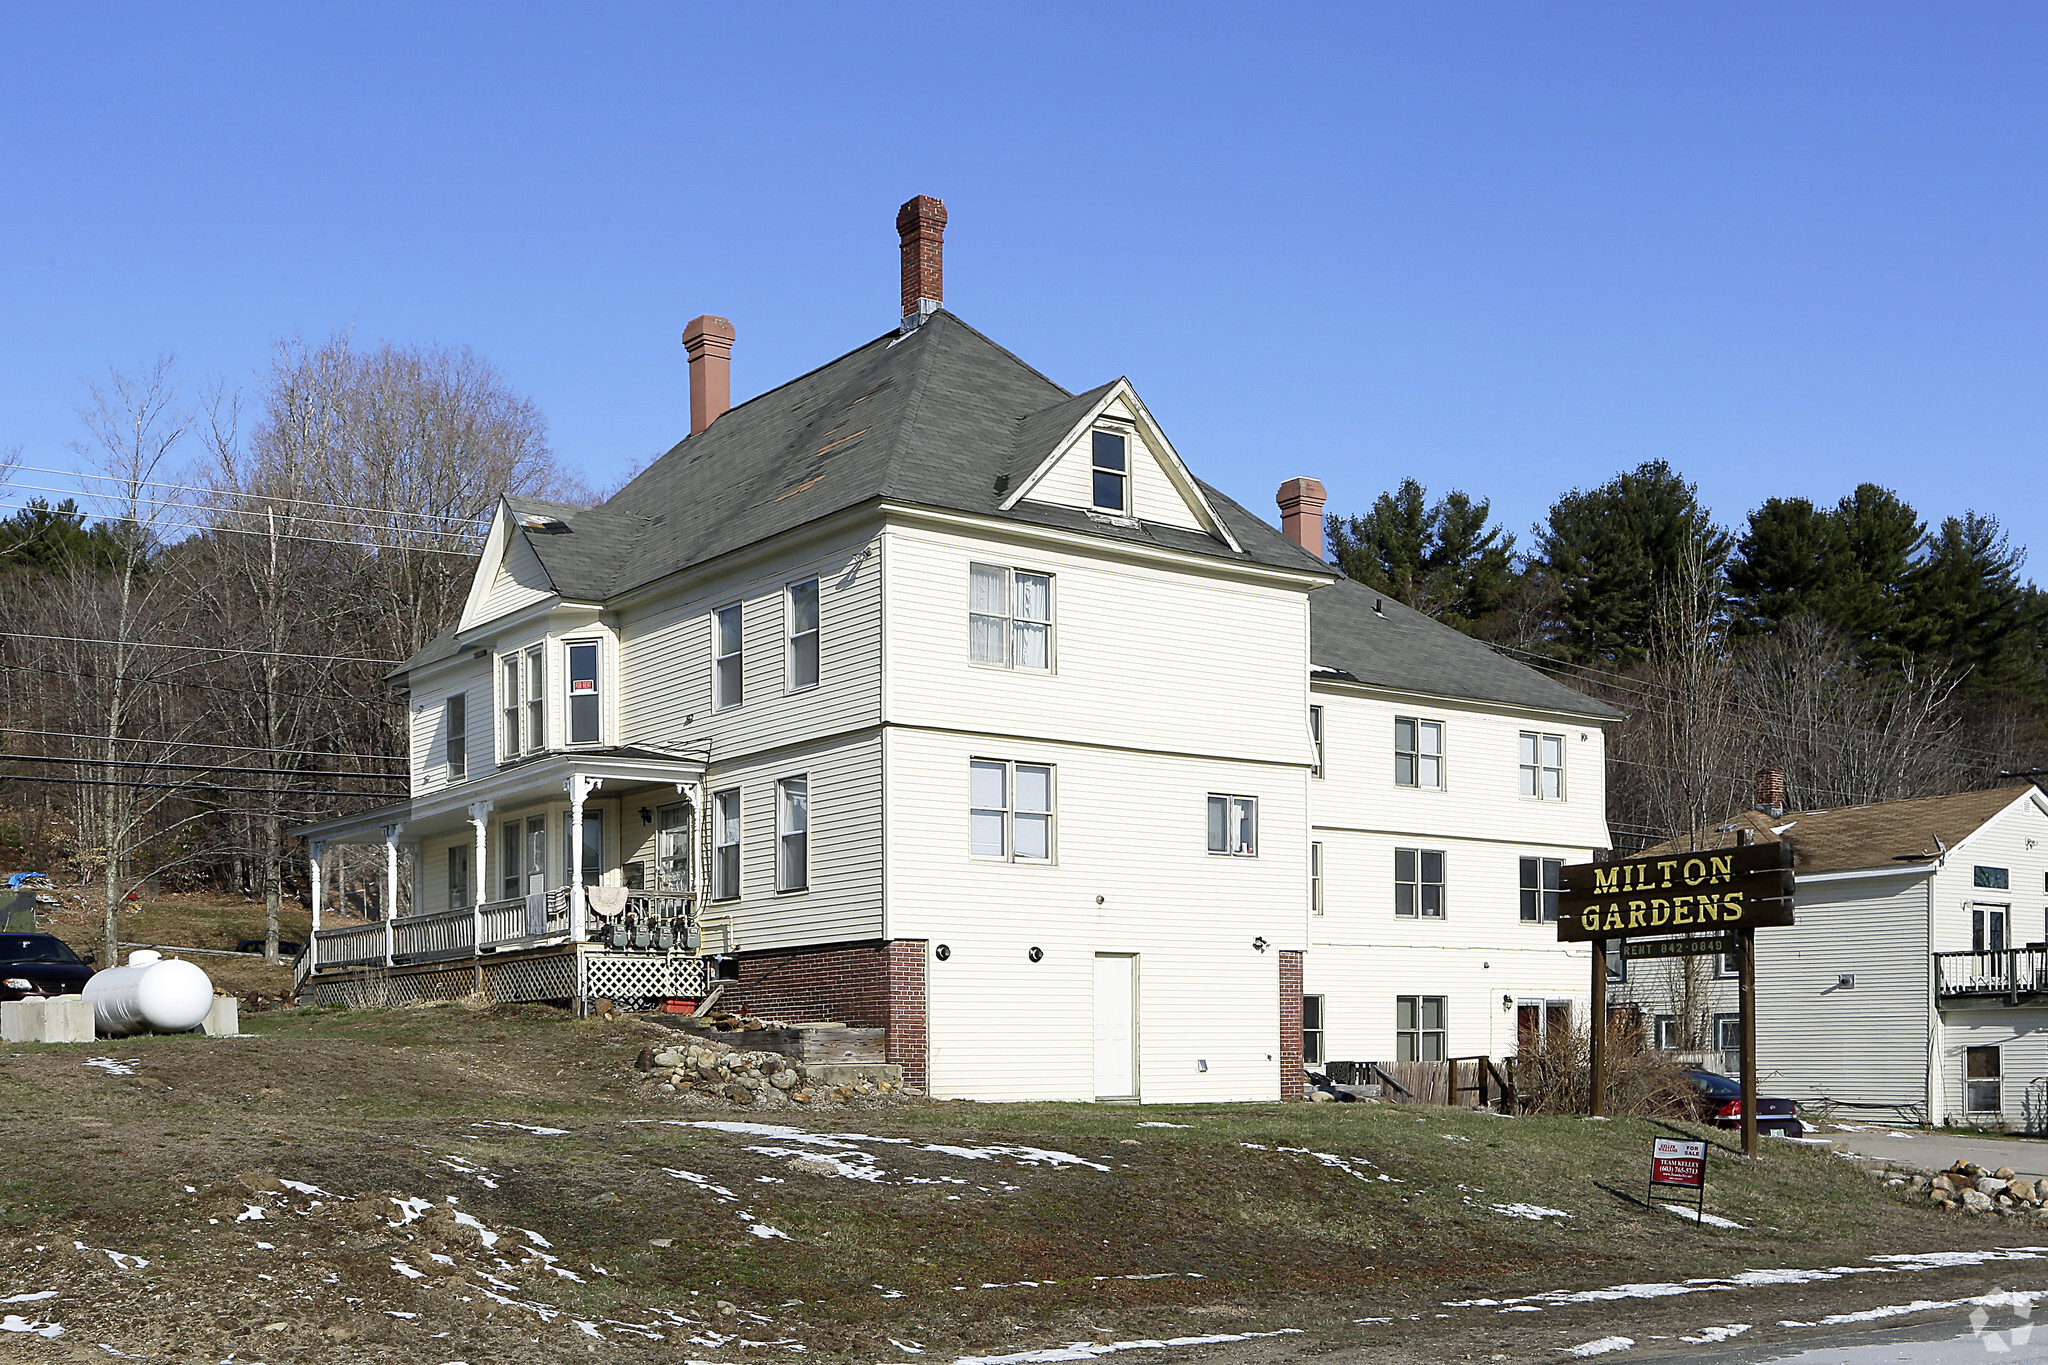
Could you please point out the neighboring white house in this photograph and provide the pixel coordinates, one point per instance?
(1913, 983)
(941, 700)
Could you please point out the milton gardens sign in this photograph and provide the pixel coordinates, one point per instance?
(1679, 905)
(1679, 893)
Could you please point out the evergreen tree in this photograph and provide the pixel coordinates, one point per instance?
(1882, 534)
(1964, 602)
(1444, 560)
(1616, 550)
(1794, 558)
(41, 539)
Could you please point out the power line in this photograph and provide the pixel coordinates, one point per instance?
(188, 524)
(239, 493)
(200, 649)
(155, 502)
(193, 787)
(204, 687)
(195, 744)
(194, 767)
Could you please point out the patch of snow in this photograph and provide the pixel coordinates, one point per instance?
(301, 1186)
(1154, 1123)
(1711, 1220)
(1534, 1212)
(484, 1234)
(36, 1297)
(120, 1258)
(851, 1166)
(2017, 1300)
(1453, 1137)
(251, 1213)
(1362, 1322)
(532, 1128)
(1089, 1350)
(766, 1233)
(1707, 1336)
(1030, 1156)
(410, 1272)
(702, 1182)
(1603, 1345)
(1804, 1141)
(14, 1322)
(112, 1067)
(908, 1348)
(409, 1209)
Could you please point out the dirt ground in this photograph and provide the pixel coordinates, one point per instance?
(443, 1185)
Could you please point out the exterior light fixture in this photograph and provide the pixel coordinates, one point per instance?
(646, 816)
(1259, 944)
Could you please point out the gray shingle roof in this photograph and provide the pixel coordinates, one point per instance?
(1398, 647)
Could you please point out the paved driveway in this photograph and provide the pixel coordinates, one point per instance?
(1932, 1151)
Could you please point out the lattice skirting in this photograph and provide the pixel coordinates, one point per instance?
(630, 980)
(639, 981)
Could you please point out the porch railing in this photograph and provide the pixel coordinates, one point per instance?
(444, 935)
(2011, 972)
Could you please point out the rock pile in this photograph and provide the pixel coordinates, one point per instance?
(1970, 1187)
(705, 1068)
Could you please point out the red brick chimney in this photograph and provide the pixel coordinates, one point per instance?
(1770, 790)
(921, 226)
(1301, 514)
(709, 342)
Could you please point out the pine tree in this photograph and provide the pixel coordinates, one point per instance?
(1793, 559)
(1964, 602)
(1444, 560)
(1615, 549)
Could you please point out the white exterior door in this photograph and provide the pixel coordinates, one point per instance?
(1116, 1026)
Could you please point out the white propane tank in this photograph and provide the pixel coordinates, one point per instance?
(150, 994)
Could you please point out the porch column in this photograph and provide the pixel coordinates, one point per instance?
(316, 849)
(580, 788)
(391, 833)
(480, 821)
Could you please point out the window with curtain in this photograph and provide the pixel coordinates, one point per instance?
(725, 843)
(1234, 825)
(801, 605)
(1009, 617)
(792, 834)
(1009, 811)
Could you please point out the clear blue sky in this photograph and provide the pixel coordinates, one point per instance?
(1506, 248)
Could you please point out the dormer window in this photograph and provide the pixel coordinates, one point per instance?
(1112, 473)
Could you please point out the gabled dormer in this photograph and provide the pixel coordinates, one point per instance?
(1102, 452)
(510, 576)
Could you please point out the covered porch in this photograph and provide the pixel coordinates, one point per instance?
(591, 857)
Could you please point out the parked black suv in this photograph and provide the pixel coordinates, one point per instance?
(33, 965)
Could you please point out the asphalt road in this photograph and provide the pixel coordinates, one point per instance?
(2000, 1338)
(1935, 1151)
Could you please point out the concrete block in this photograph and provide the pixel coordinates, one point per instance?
(852, 1073)
(224, 1020)
(21, 1021)
(68, 1019)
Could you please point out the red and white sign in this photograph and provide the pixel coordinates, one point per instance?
(1679, 1163)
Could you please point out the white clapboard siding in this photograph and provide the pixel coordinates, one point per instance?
(2021, 1037)
(1130, 829)
(520, 581)
(1869, 1043)
(666, 689)
(2015, 841)
(427, 723)
(1480, 797)
(1362, 955)
(844, 901)
(1150, 656)
(1154, 498)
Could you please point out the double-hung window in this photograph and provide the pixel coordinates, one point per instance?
(585, 708)
(511, 862)
(1315, 879)
(458, 877)
(792, 834)
(455, 735)
(1418, 753)
(508, 693)
(1419, 882)
(725, 844)
(1112, 491)
(1312, 1029)
(1543, 765)
(1234, 825)
(1419, 1029)
(1540, 889)
(1009, 810)
(801, 606)
(1009, 617)
(1981, 1074)
(536, 701)
(728, 675)
(1315, 734)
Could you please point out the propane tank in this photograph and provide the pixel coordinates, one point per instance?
(150, 994)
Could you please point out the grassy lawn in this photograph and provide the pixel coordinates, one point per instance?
(950, 1224)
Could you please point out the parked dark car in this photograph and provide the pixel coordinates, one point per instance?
(33, 965)
(1720, 1103)
(285, 947)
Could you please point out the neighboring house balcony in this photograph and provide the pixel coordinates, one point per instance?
(2009, 976)
(574, 932)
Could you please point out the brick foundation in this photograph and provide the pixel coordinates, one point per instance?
(1292, 1085)
(875, 984)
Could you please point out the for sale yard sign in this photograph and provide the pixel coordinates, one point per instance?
(1679, 1164)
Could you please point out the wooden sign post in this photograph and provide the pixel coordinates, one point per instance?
(1674, 905)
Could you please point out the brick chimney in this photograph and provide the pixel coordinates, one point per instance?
(1770, 790)
(709, 342)
(1301, 514)
(921, 226)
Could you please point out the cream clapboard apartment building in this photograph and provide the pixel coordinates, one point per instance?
(954, 704)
